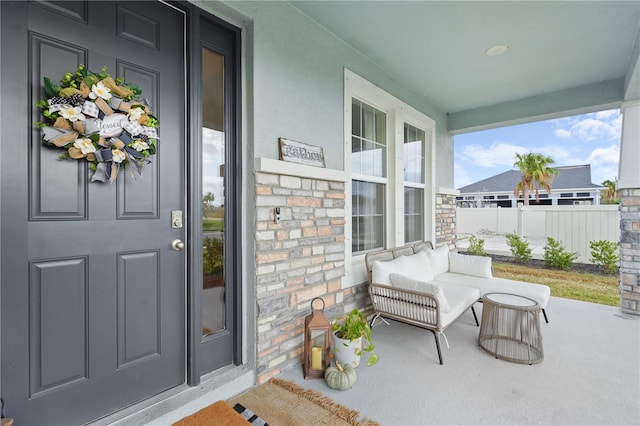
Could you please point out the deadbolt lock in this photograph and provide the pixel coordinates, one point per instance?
(176, 219)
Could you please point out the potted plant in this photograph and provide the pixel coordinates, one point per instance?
(352, 338)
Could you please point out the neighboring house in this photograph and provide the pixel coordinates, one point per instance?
(572, 186)
(107, 310)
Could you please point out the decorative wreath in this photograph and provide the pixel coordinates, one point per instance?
(98, 119)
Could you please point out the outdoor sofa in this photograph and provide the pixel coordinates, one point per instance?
(431, 288)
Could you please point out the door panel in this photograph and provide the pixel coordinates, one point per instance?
(93, 308)
(51, 57)
(139, 326)
(58, 309)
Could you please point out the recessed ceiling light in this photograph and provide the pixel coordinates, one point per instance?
(497, 50)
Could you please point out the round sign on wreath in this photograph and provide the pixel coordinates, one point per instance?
(94, 118)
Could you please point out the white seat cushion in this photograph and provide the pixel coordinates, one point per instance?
(419, 266)
(439, 259)
(460, 299)
(538, 292)
(407, 283)
(381, 270)
(477, 266)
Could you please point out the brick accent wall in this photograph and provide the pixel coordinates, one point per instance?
(630, 251)
(297, 259)
(445, 220)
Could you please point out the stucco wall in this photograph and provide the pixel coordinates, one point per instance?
(297, 72)
(293, 87)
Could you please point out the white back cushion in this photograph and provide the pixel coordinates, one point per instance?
(419, 267)
(477, 266)
(381, 270)
(407, 283)
(439, 259)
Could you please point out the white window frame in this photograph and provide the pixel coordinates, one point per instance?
(397, 113)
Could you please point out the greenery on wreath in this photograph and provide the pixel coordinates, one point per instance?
(352, 326)
(99, 119)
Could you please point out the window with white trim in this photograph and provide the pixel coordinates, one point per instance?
(389, 155)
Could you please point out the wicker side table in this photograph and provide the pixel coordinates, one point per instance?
(510, 328)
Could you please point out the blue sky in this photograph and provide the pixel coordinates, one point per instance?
(582, 139)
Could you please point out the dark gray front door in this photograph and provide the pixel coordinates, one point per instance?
(92, 293)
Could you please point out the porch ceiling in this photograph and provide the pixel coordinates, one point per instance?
(561, 56)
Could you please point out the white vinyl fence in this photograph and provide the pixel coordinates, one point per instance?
(574, 226)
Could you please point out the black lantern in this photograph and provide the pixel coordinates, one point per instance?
(317, 343)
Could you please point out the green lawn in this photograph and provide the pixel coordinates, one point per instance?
(212, 224)
(595, 288)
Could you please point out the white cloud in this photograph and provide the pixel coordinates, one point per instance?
(462, 178)
(604, 163)
(212, 145)
(562, 133)
(559, 154)
(602, 156)
(590, 127)
(607, 115)
(497, 154)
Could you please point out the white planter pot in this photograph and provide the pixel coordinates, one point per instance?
(345, 351)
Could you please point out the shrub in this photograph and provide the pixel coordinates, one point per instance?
(476, 246)
(519, 248)
(556, 255)
(212, 256)
(605, 254)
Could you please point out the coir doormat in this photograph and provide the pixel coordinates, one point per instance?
(283, 403)
(277, 403)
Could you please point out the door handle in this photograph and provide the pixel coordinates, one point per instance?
(177, 244)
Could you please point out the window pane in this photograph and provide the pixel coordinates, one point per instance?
(368, 140)
(368, 216)
(413, 215)
(213, 161)
(413, 154)
(381, 127)
(368, 122)
(356, 155)
(356, 111)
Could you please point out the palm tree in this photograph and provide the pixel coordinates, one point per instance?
(536, 171)
(207, 204)
(610, 194)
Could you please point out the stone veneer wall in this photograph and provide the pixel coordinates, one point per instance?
(446, 220)
(630, 251)
(297, 259)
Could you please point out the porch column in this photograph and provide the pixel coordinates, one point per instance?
(629, 186)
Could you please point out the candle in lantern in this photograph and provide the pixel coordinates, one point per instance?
(316, 358)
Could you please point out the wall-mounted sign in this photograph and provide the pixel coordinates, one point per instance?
(297, 152)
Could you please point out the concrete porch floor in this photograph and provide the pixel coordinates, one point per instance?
(590, 374)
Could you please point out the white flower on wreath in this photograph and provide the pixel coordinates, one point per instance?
(118, 155)
(84, 145)
(99, 90)
(72, 113)
(135, 113)
(139, 145)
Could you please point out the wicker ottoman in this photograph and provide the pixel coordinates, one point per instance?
(510, 328)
